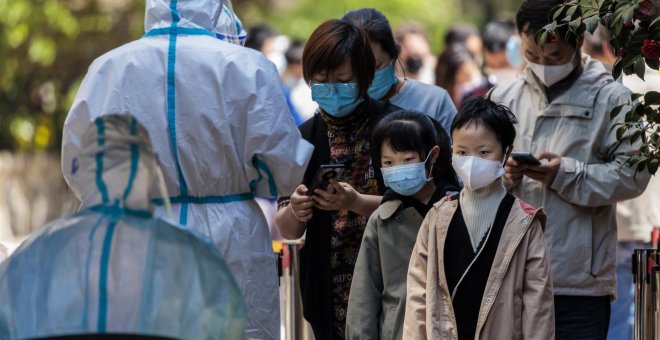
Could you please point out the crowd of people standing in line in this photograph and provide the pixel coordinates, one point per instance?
(433, 225)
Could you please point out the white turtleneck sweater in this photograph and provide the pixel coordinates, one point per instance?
(479, 208)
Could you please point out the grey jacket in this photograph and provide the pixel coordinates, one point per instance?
(580, 204)
(377, 301)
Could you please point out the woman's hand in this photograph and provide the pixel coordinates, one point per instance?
(342, 197)
(301, 204)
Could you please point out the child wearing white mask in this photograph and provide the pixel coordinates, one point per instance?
(413, 152)
(480, 268)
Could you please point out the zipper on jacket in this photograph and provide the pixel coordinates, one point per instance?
(453, 294)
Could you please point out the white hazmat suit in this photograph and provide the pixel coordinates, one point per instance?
(113, 268)
(220, 125)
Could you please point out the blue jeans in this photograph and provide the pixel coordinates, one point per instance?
(622, 318)
(581, 317)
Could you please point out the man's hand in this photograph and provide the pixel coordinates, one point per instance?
(547, 171)
(514, 172)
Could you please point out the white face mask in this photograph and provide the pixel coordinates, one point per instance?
(552, 74)
(476, 172)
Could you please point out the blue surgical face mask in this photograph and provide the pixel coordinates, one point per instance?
(406, 179)
(336, 99)
(384, 79)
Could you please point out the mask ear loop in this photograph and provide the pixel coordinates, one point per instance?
(506, 151)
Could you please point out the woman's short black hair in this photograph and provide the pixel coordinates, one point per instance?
(377, 27)
(332, 44)
(414, 131)
(535, 14)
(496, 117)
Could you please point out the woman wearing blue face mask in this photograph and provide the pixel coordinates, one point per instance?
(414, 153)
(339, 66)
(480, 267)
(408, 94)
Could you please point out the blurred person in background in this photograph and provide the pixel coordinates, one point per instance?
(265, 39)
(635, 218)
(298, 93)
(416, 57)
(469, 37)
(339, 66)
(220, 125)
(403, 92)
(597, 45)
(459, 73)
(496, 64)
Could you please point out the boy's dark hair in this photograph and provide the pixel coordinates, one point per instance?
(535, 14)
(496, 117)
(334, 42)
(414, 131)
(377, 27)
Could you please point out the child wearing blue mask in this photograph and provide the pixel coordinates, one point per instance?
(480, 267)
(413, 152)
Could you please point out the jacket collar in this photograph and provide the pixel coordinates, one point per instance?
(389, 208)
(593, 78)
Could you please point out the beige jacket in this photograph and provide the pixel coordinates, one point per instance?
(581, 230)
(517, 302)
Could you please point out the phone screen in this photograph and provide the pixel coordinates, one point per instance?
(324, 175)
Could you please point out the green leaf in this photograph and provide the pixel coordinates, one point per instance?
(617, 69)
(619, 133)
(571, 10)
(629, 13)
(616, 111)
(591, 23)
(653, 63)
(635, 136)
(652, 98)
(640, 68)
(541, 37)
(653, 165)
(655, 21)
(635, 96)
(575, 25)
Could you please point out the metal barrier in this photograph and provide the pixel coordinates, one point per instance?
(295, 326)
(646, 321)
(656, 287)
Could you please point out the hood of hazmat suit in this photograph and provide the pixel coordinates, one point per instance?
(113, 268)
(220, 125)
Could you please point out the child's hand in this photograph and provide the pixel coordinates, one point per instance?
(343, 197)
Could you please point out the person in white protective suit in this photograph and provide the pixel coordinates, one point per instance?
(113, 268)
(220, 126)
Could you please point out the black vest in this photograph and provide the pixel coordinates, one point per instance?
(467, 272)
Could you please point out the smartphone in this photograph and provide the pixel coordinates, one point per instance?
(525, 158)
(324, 175)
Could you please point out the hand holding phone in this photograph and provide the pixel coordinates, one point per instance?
(525, 158)
(323, 176)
